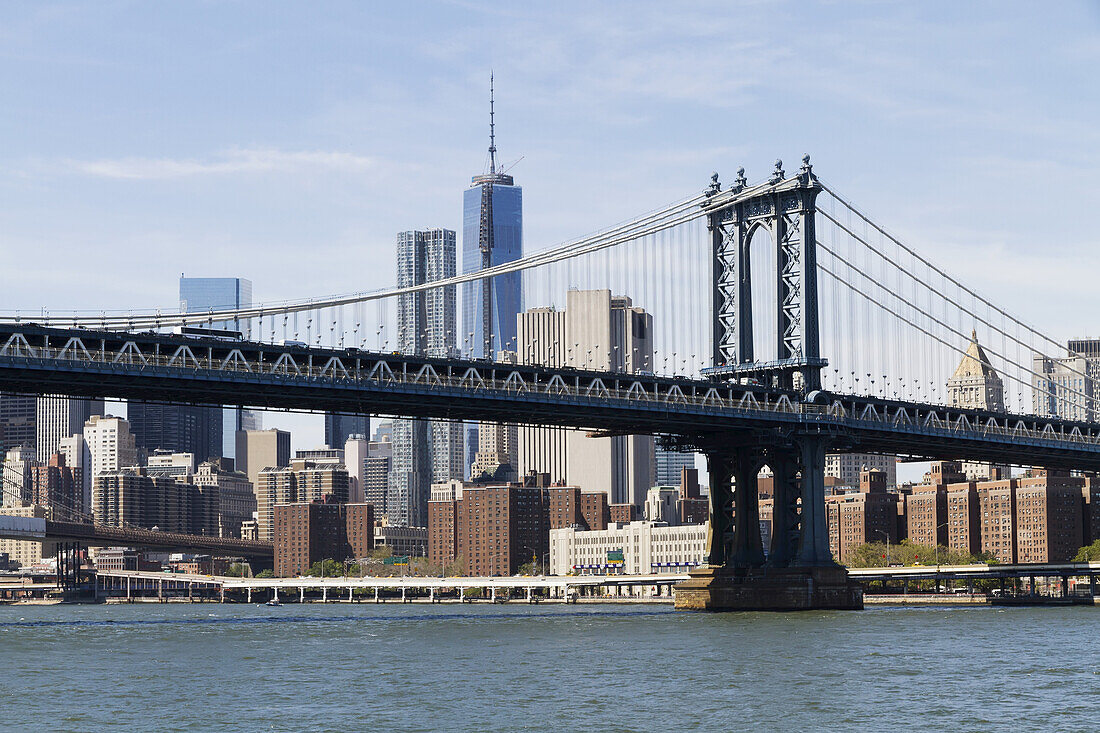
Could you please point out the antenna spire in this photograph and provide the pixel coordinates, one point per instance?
(492, 129)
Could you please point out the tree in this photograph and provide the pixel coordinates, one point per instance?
(1088, 553)
(238, 570)
(874, 555)
(327, 568)
(266, 574)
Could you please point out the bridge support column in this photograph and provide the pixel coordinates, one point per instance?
(403, 594)
(802, 574)
(324, 594)
(249, 598)
(301, 594)
(349, 594)
(785, 517)
(376, 594)
(813, 541)
(493, 594)
(431, 594)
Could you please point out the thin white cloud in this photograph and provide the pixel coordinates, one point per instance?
(249, 160)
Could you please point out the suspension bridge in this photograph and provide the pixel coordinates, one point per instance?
(786, 324)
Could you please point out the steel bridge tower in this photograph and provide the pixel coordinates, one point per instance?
(798, 570)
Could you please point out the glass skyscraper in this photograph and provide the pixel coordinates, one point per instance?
(493, 207)
(198, 294)
(424, 451)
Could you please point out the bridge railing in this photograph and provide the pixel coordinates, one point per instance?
(486, 377)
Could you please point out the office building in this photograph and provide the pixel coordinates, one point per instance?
(997, 509)
(176, 428)
(646, 547)
(166, 463)
(401, 541)
(324, 454)
(975, 385)
(310, 532)
(340, 426)
(57, 418)
(669, 464)
(109, 446)
(260, 449)
(356, 452)
(595, 331)
(376, 476)
(492, 234)
(75, 452)
(424, 451)
(205, 294)
(236, 497)
(17, 420)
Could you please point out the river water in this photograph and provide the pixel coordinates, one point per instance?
(545, 668)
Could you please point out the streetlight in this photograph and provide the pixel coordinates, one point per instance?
(884, 534)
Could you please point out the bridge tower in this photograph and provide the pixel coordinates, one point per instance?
(798, 570)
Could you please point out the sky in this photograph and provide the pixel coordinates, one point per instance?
(289, 142)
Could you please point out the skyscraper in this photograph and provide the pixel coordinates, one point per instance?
(492, 234)
(977, 386)
(57, 418)
(199, 294)
(424, 451)
(177, 428)
(109, 446)
(17, 418)
(595, 331)
(341, 426)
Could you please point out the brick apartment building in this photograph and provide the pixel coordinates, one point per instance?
(868, 516)
(569, 507)
(308, 532)
(494, 528)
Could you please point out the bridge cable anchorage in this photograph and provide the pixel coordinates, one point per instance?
(942, 273)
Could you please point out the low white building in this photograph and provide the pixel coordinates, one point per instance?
(404, 541)
(647, 547)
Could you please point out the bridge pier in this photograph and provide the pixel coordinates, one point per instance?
(799, 573)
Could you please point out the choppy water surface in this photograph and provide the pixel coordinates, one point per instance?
(545, 668)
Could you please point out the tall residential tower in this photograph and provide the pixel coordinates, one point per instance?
(424, 451)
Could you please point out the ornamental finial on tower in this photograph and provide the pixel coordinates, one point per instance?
(715, 186)
(740, 182)
(778, 174)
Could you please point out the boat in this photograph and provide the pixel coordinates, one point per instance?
(274, 602)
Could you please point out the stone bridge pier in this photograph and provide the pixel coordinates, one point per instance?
(798, 571)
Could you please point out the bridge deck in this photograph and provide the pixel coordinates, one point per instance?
(168, 368)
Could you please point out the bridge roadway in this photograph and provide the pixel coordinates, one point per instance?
(150, 366)
(99, 535)
(560, 587)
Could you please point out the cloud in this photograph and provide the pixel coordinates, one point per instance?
(232, 162)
